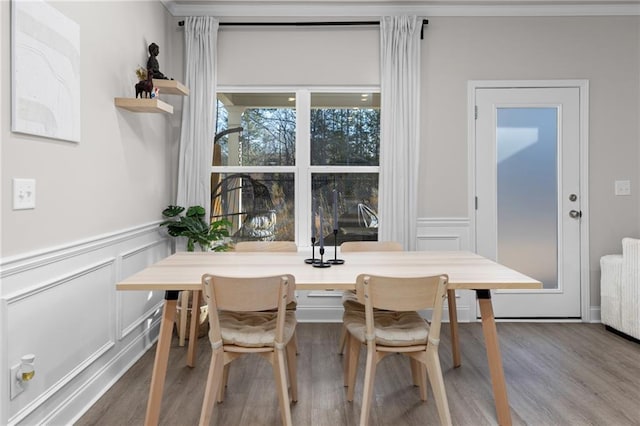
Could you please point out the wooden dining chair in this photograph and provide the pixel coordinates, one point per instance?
(349, 300)
(271, 246)
(242, 246)
(243, 321)
(396, 327)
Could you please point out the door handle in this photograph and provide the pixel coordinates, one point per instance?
(576, 214)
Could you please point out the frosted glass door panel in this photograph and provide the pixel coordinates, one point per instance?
(527, 192)
(528, 167)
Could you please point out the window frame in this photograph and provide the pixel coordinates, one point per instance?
(302, 170)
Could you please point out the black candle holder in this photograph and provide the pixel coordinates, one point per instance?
(312, 259)
(335, 260)
(321, 263)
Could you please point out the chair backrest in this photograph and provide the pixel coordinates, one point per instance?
(247, 295)
(354, 246)
(403, 294)
(257, 246)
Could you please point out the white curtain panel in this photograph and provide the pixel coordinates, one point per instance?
(399, 128)
(198, 113)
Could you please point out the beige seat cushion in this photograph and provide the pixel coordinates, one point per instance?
(350, 301)
(291, 306)
(253, 329)
(391, 328)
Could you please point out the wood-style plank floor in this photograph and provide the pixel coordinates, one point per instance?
(557, 374)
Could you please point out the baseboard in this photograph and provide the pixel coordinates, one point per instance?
(80, 401)
(621, 334)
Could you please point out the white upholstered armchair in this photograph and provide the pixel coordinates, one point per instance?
(620, 289)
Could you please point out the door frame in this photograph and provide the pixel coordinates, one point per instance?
(583, 87)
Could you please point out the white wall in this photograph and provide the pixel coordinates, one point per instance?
(259, 56)
(603, 50)
(121, 173)
(98, 204)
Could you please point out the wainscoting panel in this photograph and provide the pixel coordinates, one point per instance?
(443, 234)
(81, 304)
(319, 306)
(136, 307)
(61, 305)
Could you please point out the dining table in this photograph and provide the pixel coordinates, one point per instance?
(466, 271)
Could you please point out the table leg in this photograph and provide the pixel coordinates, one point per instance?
(184, 302)
(162, 358)
(493, 356)
(193, 331)
(453, 324)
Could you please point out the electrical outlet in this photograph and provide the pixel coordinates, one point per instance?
(24, 194)
(17, 387)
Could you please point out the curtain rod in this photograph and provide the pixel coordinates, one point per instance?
(307, 24)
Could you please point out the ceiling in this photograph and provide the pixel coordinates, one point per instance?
(265, 10)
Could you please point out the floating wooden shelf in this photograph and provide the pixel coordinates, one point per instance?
(143, 105)
(170, 87)
(165, 87)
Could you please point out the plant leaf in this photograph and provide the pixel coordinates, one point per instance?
(197, 211)
(172, 211)
(193, 226)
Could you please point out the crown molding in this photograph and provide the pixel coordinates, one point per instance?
(266, 10)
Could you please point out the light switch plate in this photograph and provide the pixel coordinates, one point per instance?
(623, 187)
(24, 194)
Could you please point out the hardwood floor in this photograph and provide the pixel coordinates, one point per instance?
(557, 374)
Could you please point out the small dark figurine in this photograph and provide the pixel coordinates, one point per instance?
(152, 62)
(145, 86)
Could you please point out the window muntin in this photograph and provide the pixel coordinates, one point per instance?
(298, 145)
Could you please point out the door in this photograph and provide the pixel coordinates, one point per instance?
(528, 205)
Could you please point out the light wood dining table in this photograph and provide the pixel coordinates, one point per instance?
(466, 270)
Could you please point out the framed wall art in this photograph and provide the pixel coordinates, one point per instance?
(45, 71)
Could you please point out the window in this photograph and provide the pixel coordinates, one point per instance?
(277, 153)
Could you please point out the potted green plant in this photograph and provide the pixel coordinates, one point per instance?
(193, 226)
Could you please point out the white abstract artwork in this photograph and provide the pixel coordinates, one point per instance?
(45, 71)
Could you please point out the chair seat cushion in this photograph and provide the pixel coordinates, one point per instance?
(291, 306)
(391, 328)
(350, 301)
(253, 329)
